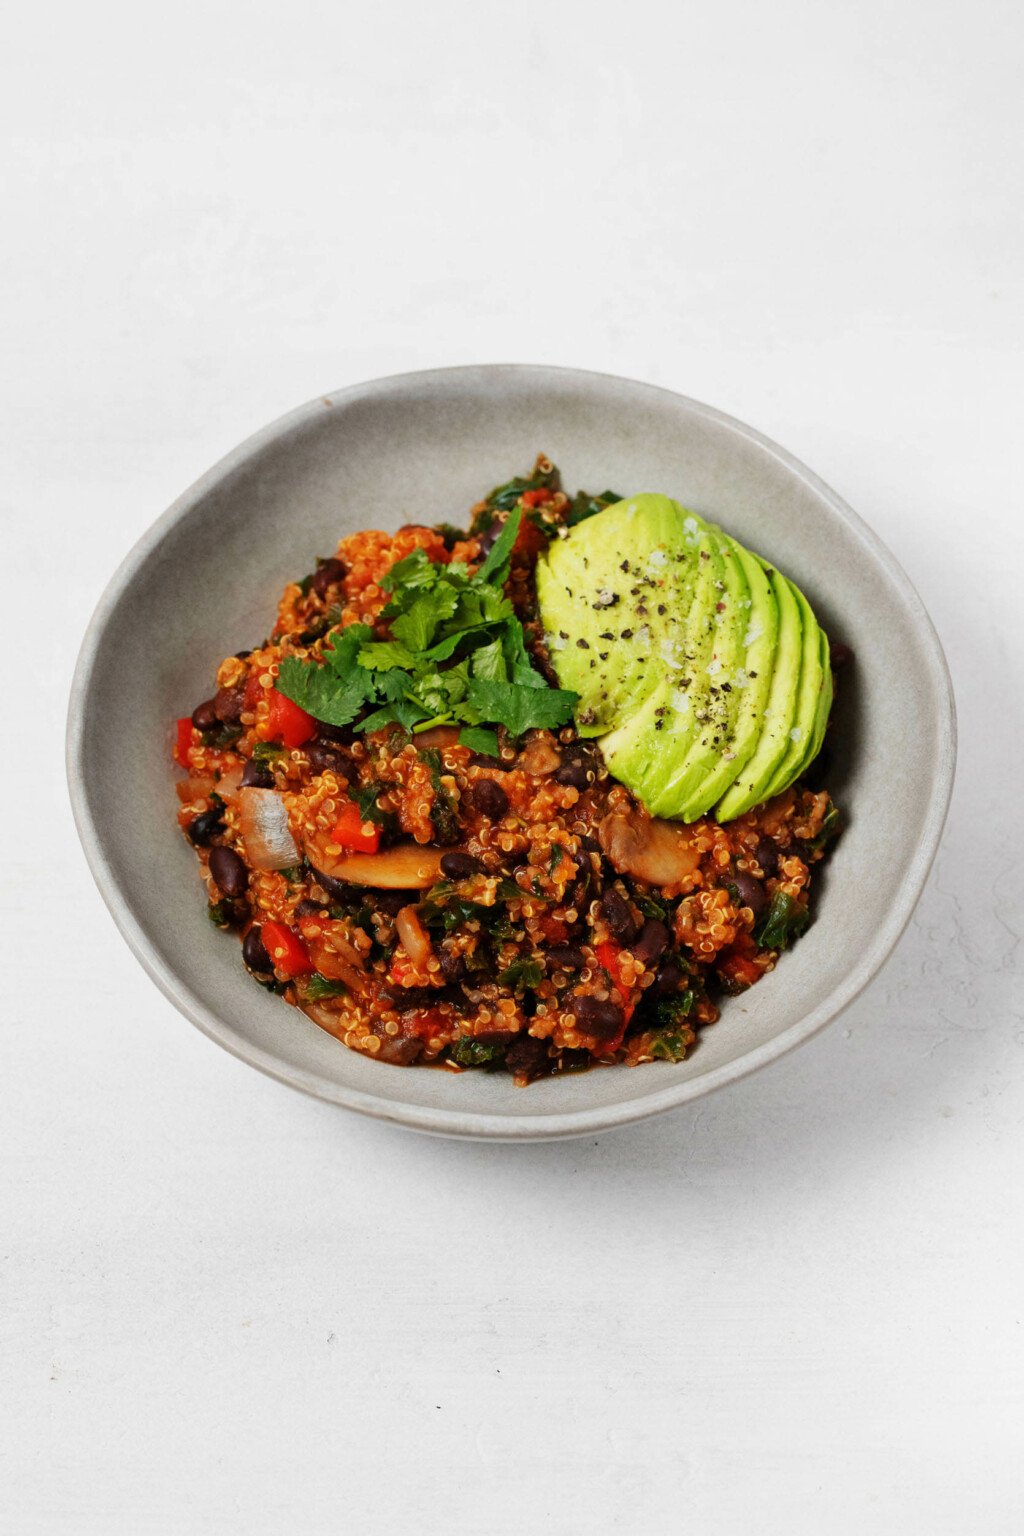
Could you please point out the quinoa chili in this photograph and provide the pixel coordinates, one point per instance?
(435, 891)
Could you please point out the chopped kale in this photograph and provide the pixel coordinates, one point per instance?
(474, 1053)
(784, 921)
(522, 975)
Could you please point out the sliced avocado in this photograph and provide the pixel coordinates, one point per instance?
(701, 669)
(748, 683)
(701, 769)
(748, 789)
(805, 709)
(651, 745)
(639, 751)
(614, 596)
(824, 708)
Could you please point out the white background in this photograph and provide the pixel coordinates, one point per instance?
(794, 1308)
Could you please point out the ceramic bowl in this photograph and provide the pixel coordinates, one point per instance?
(205, 579)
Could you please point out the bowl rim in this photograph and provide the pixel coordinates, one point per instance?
(468, 1123)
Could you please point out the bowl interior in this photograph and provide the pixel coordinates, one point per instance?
(205, 581)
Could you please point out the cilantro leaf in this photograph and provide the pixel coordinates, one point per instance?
(520, 708)
(502, 548)
(412, 572)
(519, 664)
(488, 662)
(480, 740)
(341, 648)
(383, 655)
(321, 693)
(417, 626)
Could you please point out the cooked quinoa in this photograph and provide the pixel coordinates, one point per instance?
(513, 909)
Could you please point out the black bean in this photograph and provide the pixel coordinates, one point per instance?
(228, 704)
(495, 1036)
(652, 943)
(840, 655)
(453, 965)
(398, 1052)
(229, 872)
(330, 572)
(767, 855)
(204, 716)
(527, 1056)
(597, 1018)
(406, 999)
(482, 760)
(750, 891)
(257, 775)
(203, 828)
(579, 766)
(458, 866)
(343, 734)
(323, 757)
(575, 775)
(336, 888)
(669, 979)
(565, 957)
(489, 799)
(616, 912)
(392, 902)
(489, 537)
(308, 908)
(254, 952)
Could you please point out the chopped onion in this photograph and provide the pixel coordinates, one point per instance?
(413, 936)
(406, 867)
(195, 787)
(263, 821)
(228, 785)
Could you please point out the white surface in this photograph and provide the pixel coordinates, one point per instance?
(795, 1308)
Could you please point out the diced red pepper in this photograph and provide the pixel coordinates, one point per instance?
(183, 740)
(535, 498)
(609, 956)
(253, 689)
(736, 966)
(352, 832)
(286, 950)
(529, 540)
(287, 722)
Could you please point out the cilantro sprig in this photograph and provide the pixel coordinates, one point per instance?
(455, 656)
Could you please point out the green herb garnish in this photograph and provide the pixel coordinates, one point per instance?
(584, 505)
(456, 655)
(315, 987)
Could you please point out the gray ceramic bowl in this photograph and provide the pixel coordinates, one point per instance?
(423, 447)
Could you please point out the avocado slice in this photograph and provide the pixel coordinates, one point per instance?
(700, 668)
(615, 597)
(748, 788)
(809, 693)
(648, 750)
(693, 784)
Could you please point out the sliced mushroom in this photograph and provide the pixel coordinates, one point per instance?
(539, 756)
(659, 852)
(406, 867)
(438, 736)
